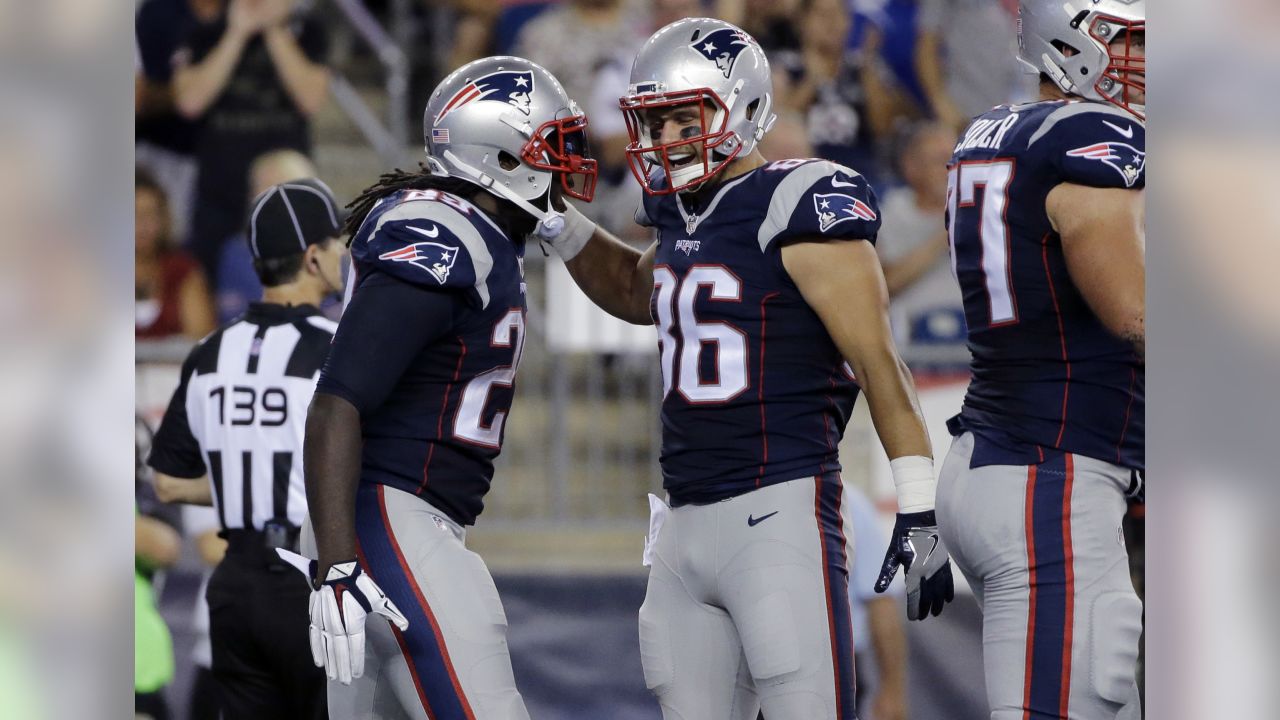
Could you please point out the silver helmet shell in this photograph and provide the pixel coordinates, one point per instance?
(1070, 42)
(715, 64)
(507, 125)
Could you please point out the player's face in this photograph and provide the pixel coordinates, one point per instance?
(673, 124)
(1133, 48)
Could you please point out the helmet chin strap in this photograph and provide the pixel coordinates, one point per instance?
(550, 222)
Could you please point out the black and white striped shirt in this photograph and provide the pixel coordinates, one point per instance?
(239, 412)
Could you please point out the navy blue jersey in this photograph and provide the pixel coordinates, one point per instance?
(428, 346)
(755, 390)
(1046, 373)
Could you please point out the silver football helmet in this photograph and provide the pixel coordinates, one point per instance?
(1070, 41)
(715, 65)
(506, 124)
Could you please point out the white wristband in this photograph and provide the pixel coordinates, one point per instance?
(913, 477)
(576, 234)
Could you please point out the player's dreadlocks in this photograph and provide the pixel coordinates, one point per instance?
(515, 221)
(395, 181)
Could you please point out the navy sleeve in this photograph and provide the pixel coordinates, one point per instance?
(1101, 148)
(385, 326)
(819, 199)
(174, 450)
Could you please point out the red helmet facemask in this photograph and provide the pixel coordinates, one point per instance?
(560, 146)
(644, 154)
(1126, 70)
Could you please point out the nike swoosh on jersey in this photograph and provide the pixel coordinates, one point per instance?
(840, 183)
(1127, 132)
(753, 521)
(433, 232)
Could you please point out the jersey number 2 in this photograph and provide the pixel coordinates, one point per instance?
(468, 424)
(993, 234)
(673, 299)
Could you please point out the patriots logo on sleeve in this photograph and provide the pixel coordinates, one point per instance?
(512, 87)
(1121, 157)
(835, 208)
(722, 47)
(435, 258)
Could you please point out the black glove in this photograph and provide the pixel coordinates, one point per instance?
(916, 546)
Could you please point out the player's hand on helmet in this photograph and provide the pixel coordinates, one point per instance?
(339, 608)
(917, 547)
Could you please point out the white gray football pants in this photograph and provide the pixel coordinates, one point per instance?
(747, 607)
(452, 663)
(1043, 550)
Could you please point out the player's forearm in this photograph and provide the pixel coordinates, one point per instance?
(895, 411)
(616, 276)
(196, 87)
(331, 464)
(306, 82)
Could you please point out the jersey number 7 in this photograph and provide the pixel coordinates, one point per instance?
(992, 232)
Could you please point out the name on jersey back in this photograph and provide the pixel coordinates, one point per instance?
(987, 134)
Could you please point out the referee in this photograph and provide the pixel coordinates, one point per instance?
(232, 437)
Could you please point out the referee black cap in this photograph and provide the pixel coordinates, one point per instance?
(288, 217)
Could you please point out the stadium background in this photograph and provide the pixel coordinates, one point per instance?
(563, 527)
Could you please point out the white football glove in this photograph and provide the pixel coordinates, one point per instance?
(338, 610)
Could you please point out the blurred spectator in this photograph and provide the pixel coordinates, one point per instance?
(771, 22)
(926, 305)
(238, 283)
(473, 33)
(965, 52)
(837, 91)
(577, 38)
(164, 141)
(156, 546)
(254, 78)
(170, 293)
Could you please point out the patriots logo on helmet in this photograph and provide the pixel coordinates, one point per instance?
(835, 208)
(722, 47)
(513, 87)
(1121, 157)
(435, 258)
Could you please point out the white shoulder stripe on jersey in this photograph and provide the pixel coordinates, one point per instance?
(1079, 108)
(788, 194)
(436, 212)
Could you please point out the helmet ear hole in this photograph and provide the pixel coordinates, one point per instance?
(1064, 48)
(507, 161)
(751, 109)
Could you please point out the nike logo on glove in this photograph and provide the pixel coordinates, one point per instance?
(433, 232)
(754, 521)
(1127, 132)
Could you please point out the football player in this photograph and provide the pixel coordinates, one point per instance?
(763, 282)
(1045, 215)
(409, 410)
